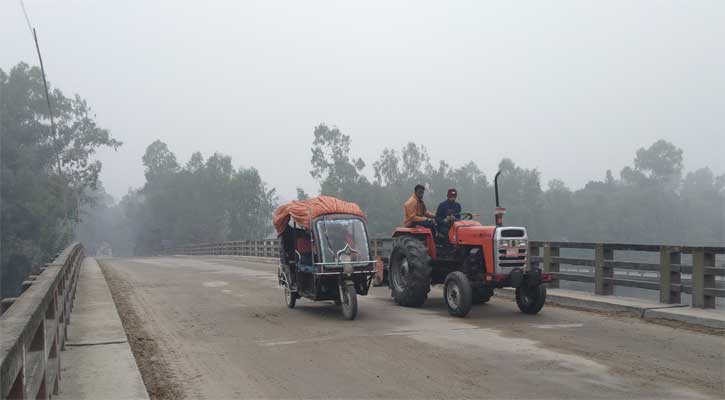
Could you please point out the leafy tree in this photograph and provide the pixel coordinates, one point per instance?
(332, 165)
(301, 195)
(650, 203)
(159, 161)
(661, 163)
(46, 177)
(204, 201)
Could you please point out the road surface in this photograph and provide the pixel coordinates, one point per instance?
(218, 328)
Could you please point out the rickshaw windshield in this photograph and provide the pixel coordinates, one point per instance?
(343, 238)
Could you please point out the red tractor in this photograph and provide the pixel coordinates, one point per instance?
(471, 262)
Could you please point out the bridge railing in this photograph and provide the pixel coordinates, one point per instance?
(653, 267)
(34, 327)
(250, 248)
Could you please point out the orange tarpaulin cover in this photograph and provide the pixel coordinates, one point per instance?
(302, 211)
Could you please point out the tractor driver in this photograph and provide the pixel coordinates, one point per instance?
(448, 211)
(415, 212)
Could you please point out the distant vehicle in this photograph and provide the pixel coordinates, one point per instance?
(471, 262)
(324, 252)
(104, 249)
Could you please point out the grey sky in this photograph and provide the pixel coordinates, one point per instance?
(569, 87)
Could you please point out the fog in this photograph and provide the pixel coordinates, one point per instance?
(571, 88)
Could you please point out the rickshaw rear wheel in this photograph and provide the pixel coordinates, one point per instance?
(349, 301)
(290, 298)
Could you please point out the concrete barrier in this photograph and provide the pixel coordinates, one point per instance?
(34, 328)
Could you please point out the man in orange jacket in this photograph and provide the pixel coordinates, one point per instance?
(415, 211)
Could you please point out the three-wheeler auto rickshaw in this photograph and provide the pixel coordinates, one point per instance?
(324, 252)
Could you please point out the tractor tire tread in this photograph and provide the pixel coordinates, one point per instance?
(418, 284)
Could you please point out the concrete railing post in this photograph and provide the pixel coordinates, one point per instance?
(551, 262)
(602, 272)
(670, 275)
(700, 281)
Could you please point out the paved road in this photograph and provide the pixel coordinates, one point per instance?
(218, 328)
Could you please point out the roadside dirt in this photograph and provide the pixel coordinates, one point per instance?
(160, 381)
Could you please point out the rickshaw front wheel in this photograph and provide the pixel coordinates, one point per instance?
(290, 298)
(349, 301)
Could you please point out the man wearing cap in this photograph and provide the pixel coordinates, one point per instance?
(448, 211)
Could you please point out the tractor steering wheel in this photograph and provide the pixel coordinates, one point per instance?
(465, 216)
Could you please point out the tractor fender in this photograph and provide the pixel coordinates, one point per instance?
(421, 233)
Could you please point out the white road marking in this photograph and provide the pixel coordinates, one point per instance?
(559, 326)
(280, 343)
(215, 284)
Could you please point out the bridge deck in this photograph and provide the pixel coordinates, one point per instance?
(218, 328)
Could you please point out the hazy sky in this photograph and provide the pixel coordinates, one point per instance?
(569, 87)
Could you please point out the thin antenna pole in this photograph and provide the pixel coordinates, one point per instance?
(52, 123)
(47, 99)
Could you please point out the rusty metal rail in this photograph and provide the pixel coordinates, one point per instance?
(34, 327)
(700, 278)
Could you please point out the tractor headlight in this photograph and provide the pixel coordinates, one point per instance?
(506, 243)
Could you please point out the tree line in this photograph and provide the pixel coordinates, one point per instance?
(46, 174)
(652, 201)
(200, 202)
(51, 193)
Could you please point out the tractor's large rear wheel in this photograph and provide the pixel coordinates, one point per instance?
(410, 271)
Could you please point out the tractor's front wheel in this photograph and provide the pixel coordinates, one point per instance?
(409, 272)
(457, 294)
(530, 299)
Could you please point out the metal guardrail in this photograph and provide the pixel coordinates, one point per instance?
(34, 327)
(257, 248)
(250, 248)
(668, 272)
(666, 276)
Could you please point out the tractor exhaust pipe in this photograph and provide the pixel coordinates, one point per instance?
(500, 211)
(495, 187)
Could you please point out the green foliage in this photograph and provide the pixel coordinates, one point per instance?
(332, 164)
(204, 201)
(44, 177)
(301, 195)
(104, 226)
(650, 203)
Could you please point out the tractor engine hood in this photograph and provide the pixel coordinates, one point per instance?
(471, 233)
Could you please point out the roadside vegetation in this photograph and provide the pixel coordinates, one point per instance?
(51, 193)
(46, 176)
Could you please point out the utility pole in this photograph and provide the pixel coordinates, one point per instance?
(53, 131)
